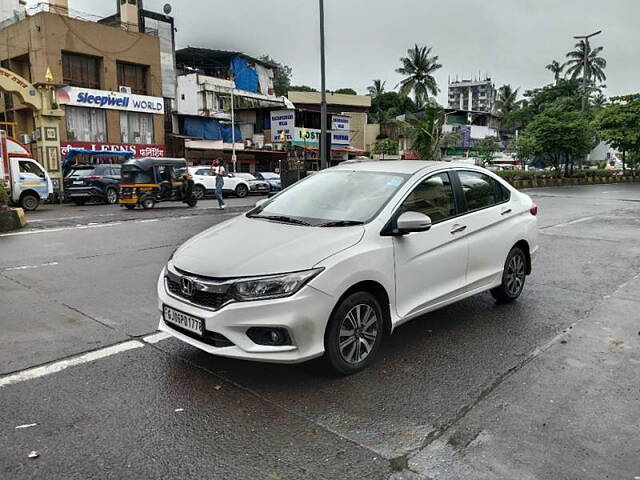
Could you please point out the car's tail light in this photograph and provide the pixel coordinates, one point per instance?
(534, 209)
(94, 177)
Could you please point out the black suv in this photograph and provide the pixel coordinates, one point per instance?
(93, 182)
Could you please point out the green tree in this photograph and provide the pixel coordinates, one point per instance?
(595, 64)
(507, 100)
(418, 67)
(301, 88)
(599, 100)
(618, 124)
(281, 76)
(376, 89)
(386, 146)
(425, 130)
(346, 91)
(559, 137)
(450, 140)
(486, 149)
(389, 105)
(556, 68)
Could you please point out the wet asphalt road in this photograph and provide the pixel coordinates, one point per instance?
(79, 280)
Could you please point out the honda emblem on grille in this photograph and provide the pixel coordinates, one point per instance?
(187, 287)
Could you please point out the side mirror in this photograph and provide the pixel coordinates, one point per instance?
(410, 222)
(260, 202)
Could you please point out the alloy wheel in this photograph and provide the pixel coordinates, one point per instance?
(515, 275)
(358, 333)
(112, 196)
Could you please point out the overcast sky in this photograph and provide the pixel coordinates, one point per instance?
(511, 40)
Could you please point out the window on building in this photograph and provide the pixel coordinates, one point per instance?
(86, 124)
(81, 70)
(136, 127)
(133, 76)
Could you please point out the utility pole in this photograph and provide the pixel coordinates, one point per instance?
(323, 96)
(584, 66)
(233, 132)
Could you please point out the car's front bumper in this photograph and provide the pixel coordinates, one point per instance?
(304, 316)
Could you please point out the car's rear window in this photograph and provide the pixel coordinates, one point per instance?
(82, 172)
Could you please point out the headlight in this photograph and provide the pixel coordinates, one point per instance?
(275, 286)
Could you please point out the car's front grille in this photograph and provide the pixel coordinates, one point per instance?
(209, 300)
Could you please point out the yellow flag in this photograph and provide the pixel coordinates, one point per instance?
(48, 76)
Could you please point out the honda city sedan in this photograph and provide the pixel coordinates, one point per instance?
(333, 264)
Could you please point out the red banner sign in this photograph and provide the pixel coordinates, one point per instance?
(138, 150)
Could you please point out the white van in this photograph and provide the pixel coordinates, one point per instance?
(27, 181)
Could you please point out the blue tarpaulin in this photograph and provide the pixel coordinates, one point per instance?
(209, 129)
(245, 77)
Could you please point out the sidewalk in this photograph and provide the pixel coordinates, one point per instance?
(571, 412)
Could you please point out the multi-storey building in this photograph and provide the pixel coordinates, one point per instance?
(477, 95)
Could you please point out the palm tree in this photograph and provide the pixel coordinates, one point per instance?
(556, 68)
(599, 101)
(507, 100)
(595, 63)
(425, 131)
(418, 67)
(376, 89)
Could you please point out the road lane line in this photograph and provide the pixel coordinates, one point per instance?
(156, 337)
(30, 267)
(572, 222)
(61, 229)
(55, 367)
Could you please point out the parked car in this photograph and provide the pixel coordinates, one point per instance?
(255, 185)
(205, 183)
(344, 257)
(272, 178)
(93, 182)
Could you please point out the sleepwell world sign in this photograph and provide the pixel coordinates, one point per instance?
(86, 97)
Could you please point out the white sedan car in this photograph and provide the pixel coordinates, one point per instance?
(204, 183)
(343, 257)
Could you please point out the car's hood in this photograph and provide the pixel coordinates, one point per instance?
(249, 246)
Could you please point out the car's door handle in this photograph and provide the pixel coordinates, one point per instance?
(458, 228)
(506, 211)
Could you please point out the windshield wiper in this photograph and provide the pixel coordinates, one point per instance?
(281, 218)
(341, 223)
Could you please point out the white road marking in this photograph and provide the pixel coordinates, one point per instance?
(26, 426)
(150, 220)
(156, 337)
(573, 222)
(61, 229)
(31, 267)
(55, 367)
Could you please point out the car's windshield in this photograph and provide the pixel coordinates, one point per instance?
(334, 196)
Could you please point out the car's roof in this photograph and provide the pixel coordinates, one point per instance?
(397, 166)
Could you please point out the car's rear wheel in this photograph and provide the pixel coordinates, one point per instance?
(242, 191)
(354, 333)
(111, 196)
(513, 277)
(198, 192)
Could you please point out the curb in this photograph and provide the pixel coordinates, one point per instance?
(12, 219)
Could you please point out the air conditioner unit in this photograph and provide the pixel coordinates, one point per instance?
(24, 138)
(123, 89)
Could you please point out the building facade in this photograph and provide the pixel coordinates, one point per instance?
(477, 95)
(108, 78)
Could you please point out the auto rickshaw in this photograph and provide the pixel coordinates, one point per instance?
(147, 181)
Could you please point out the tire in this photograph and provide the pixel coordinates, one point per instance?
(192, 202)
(242, 191)
(356, 323)
(111, 196)
(130, 207)
(513, 277)
(199, 192)
(148, 202)
(29, 202)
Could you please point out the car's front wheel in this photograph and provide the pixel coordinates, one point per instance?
(242, 191)
(513, 277)
(354, 333)
(199, 192)
(111, 196)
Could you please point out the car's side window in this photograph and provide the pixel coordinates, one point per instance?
(433, 197)
(480, 190)
(203, 171)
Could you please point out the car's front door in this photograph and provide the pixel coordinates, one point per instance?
(430, 266)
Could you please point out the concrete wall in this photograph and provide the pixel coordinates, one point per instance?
(43, 38)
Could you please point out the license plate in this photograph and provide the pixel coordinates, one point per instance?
(80, 182)
(193, 324)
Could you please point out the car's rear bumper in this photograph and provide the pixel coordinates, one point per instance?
(83, 192)
(303, 315)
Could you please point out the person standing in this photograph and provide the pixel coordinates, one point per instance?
(220, 173)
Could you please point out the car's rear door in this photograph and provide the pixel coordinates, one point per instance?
(488, 222)
(430, 266)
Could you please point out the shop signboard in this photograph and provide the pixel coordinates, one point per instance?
(282, 121)
(138, 150)
(340, 123)
(86, 97)
(310, 137)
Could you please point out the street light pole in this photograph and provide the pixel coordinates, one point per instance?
(584, 66)
(233, 133)
(323, 95)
